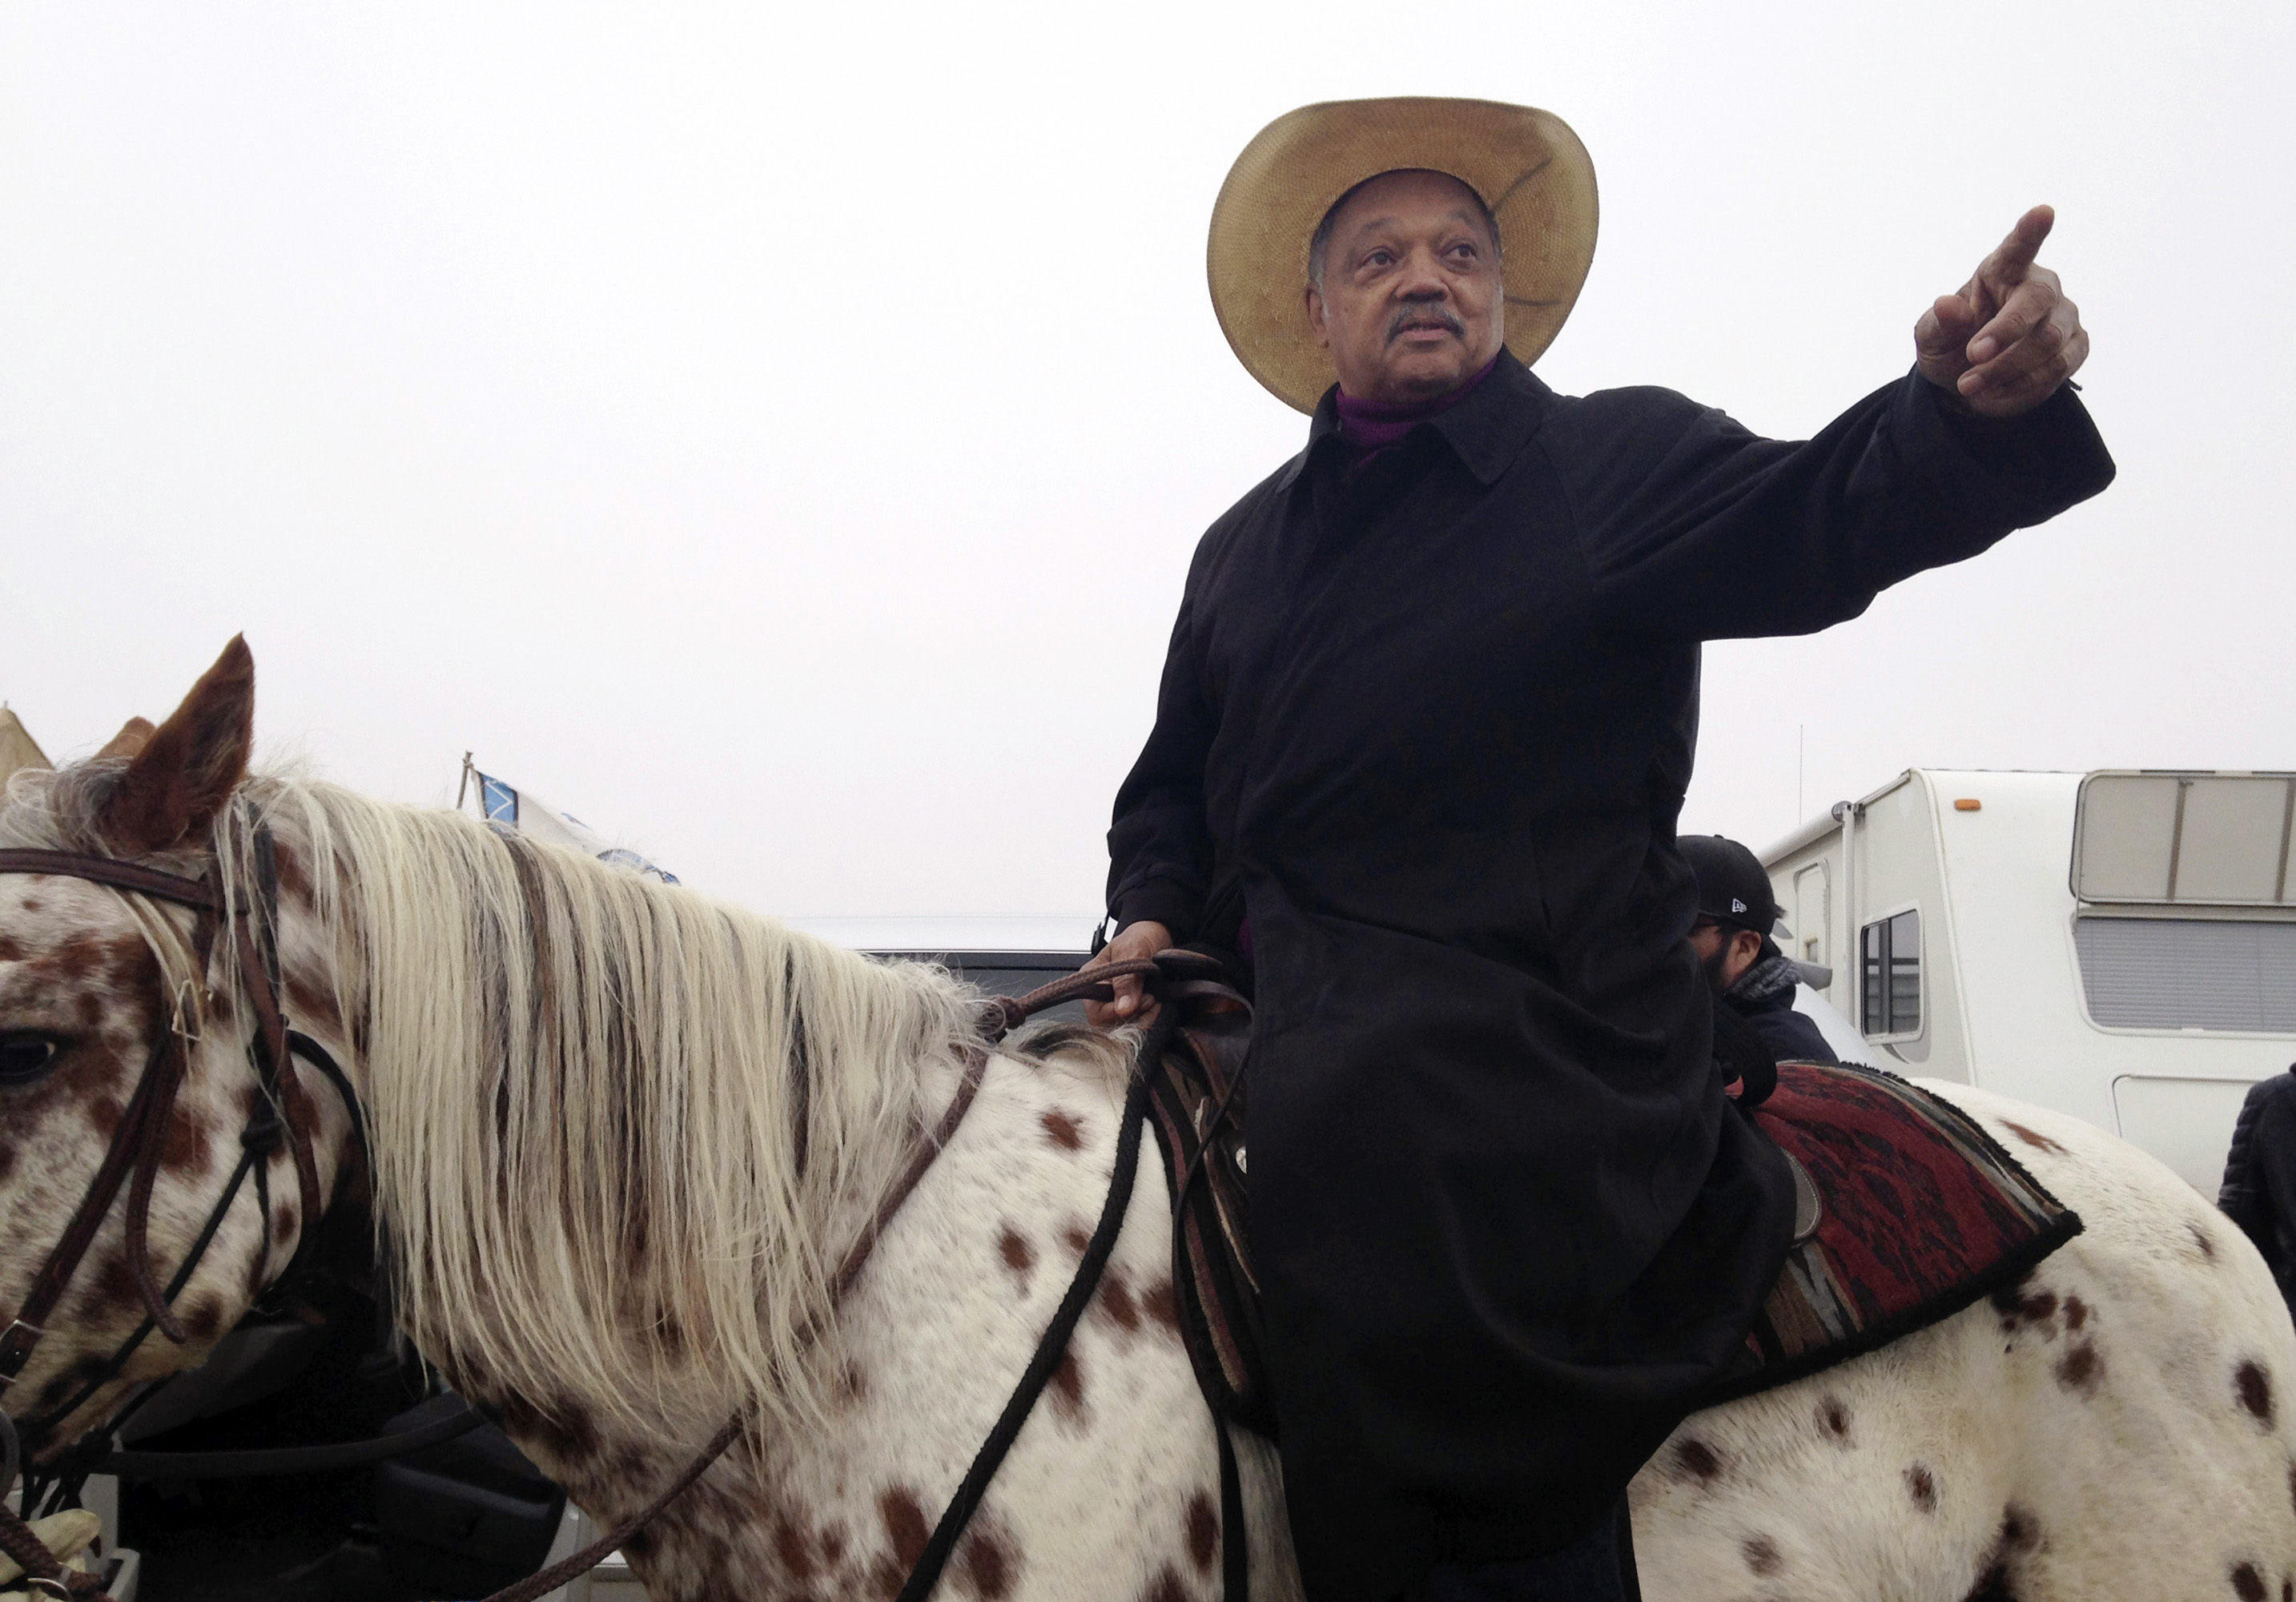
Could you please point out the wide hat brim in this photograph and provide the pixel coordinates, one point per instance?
(1527, 164)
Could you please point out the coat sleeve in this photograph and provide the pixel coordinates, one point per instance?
(1159, 848)
(1696, 528)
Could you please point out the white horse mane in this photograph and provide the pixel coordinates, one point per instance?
(619, 1129)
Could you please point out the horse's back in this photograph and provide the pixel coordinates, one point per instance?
(2115, 1427)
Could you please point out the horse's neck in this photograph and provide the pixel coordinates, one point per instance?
(688, 1393)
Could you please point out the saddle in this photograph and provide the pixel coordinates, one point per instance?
(1906, 1210)
(1194, 1063)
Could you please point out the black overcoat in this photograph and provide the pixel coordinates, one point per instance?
(1429, 723)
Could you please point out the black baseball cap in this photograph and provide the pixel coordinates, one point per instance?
(1732, 888)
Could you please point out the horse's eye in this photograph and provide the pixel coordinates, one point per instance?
(25, 1057)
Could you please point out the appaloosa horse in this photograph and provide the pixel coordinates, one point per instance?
(621, 1137)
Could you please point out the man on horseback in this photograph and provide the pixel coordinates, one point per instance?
(1420, 742)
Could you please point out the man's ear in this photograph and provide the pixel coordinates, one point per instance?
(181, 773)
(134, 735)
(1317, 324)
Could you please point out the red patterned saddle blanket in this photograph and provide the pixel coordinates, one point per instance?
(1908, 1213)
(1907, 1210)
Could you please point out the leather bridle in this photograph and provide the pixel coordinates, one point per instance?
(280, 1115)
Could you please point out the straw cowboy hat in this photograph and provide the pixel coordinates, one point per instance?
(1527, 164)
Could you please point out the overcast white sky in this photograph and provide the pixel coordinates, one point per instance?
(777, 434)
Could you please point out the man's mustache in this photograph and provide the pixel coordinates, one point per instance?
(1441, 315)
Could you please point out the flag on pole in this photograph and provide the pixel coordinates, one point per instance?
(506, 807)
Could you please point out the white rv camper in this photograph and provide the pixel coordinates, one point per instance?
(2120, 946)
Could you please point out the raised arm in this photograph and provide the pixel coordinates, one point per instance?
(1698, 528)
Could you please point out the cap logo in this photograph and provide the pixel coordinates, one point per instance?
(1736, 905)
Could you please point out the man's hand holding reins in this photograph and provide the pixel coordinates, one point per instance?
(1132, 1005)
(2004, 344)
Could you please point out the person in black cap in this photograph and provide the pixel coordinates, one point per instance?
(1731, 937)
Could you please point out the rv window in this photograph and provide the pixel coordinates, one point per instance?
(1889, 955)
(2216, 838)
(2189, 973)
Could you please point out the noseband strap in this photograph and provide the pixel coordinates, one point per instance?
(119, 876)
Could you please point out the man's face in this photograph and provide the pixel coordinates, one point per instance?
(1411, 305)
(1726, 954)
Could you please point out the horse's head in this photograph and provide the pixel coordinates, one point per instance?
(132, 1092)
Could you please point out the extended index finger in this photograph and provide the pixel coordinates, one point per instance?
(2013, 255)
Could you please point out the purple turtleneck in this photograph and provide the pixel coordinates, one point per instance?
(1372, 425)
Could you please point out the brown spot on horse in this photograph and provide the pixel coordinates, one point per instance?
(1761, 1555)
(115, 1281)
(1992, 1582)
(104, 1112)
(1699, 1460)
(2254, 1387)
(1203, 1530)
(2247, 1584)
(2020, 1531)
(1068, 1386)
(1116, 1300)
(81, 957)
(564, 1428)
(793, 1547)
(2076, 1312)
(2019, 1534)
(1018, 1255)
(1159, 1302)
(987, 1561)
(1063, 1130)
(2034, 1139)
(204, 1318)
(186, 1146)
(1834, 1418)
(2015, 1307)
(905, 1525)
(1165, 1587)
(1921, 1485)
(2203, 1241)
(2081, 1368)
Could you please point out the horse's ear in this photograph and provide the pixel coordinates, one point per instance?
(134, 735)
(182, 772)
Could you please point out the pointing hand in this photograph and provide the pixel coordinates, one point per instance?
(2003, 345)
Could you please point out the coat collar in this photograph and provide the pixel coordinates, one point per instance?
(1486, 431)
